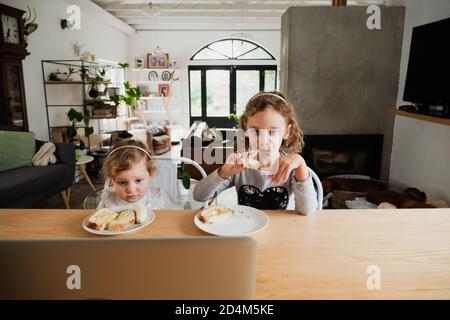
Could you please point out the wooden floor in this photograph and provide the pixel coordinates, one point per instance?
(78, 193)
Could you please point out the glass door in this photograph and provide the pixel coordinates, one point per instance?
(216, 92)
(247, 85)
(15, 97)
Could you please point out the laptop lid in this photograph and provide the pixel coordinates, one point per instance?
(175, 268)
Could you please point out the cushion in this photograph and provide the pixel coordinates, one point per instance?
(156, 130)
(45, 155)
(16, 149)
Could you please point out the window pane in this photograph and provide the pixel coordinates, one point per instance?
(241, 47)
(223, 47)
(208, 54)
(217, 93)
(270, 81)
(247, 85)
(256, 54)
(232, 49)
(196, 93)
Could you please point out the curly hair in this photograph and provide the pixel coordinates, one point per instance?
(123, 159)
(281, 104)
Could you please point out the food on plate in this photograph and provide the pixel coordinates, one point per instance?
(101, 219)
(125, 219)
(141, 213)
(108, 219)
(215, 214)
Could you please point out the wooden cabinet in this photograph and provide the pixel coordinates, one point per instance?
(13, 110)
(13, 106)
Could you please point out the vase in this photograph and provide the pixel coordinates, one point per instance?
(77, 154)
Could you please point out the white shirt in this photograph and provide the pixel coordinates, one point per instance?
(154, 199)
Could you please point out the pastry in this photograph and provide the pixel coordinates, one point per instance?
(215, 214)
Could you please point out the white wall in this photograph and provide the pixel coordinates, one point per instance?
(181, 45)
(49, 41)
(421, 150)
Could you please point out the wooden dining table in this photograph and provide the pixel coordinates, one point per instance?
(334, 254)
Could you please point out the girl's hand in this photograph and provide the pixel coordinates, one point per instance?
(285, 164)
(235, 164)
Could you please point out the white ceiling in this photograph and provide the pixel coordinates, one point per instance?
(211, 14)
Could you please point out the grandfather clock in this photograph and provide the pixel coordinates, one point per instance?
(13, 110)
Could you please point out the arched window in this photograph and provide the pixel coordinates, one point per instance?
(217, 91)
(232, 49)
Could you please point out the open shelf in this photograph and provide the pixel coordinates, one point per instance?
(63, 82)
(161, 111)
(159, 98)
(422, 117)
(152, 69)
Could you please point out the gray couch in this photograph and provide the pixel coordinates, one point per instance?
(25, 187)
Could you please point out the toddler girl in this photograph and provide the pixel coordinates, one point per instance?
(129, 168)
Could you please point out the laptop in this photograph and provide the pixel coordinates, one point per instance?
(176, 268)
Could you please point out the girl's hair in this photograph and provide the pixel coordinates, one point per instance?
(281, 104)
(124, 158)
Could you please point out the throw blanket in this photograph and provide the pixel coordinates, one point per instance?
(45, 155)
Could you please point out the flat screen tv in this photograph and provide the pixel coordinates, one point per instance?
(428, 76)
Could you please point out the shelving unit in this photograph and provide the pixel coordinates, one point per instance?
(61, 95)
(422, 117)
(152, 103)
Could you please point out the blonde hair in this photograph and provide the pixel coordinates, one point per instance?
(282, 105)
(124, 155)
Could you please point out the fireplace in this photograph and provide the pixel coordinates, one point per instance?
(331, 155)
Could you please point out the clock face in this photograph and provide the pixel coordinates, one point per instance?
(10, 26)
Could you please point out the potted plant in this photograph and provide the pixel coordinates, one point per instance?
(184, 182)
(72, 134)
(70, 71)
(236, 118)
(93, 90)
(102, 82)
(132, 94)
(84, 73)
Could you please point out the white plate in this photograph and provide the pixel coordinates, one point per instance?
(134, 227)
(246, 221)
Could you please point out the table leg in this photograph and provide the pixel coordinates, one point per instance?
(64, 198)
(86, 176)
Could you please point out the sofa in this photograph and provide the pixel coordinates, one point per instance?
(26, 186)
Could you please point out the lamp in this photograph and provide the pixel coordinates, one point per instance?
(151, 10)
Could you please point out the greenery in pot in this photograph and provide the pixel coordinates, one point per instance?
(235, 117)
(74, 118)
(70, 71)
(184, 176)
(132, 94)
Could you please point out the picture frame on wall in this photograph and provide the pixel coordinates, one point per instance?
(139, 63)
(163, 90)
(158, 61)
